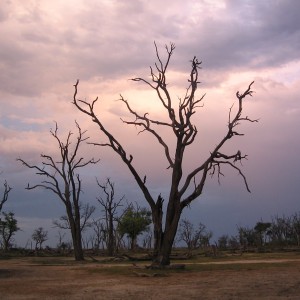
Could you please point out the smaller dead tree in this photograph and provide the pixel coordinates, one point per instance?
(63, 179)
(110, 207)
(6, 191)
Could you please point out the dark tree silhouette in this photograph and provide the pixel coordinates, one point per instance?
(6, 191)
(183, 189)
(39, 236)
(8, 227)
(194, 238)
(63, 179)
(110, 207)
(262, 229)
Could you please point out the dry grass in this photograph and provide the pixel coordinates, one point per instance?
(256, 277)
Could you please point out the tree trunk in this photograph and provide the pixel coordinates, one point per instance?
(111, 240)
(132, 243)
(78, 246)
(6, 244)
(162, 256)
(165, 240)
(76, 236)
(157, 214)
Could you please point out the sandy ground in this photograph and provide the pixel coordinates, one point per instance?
(23, 279)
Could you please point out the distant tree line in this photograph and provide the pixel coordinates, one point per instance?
(121, 223)
(281, 231)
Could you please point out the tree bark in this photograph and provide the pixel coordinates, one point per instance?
(162, 257)
(157, 215)
(111, 236)
(75, 232)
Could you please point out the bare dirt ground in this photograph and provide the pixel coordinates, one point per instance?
(27, 278)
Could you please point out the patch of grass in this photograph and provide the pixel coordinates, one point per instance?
(227, 256)
(235, 266)
(3, 257)
(115, 270)
(53, 261)
(112, 270)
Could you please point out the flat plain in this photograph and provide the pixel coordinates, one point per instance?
(245, 277)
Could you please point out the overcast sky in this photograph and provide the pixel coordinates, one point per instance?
(47, 45)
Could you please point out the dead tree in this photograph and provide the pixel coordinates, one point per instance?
(6, 191)
(110, 207)
(62, 178)
(183, 190)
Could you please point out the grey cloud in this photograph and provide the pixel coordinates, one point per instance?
(266, 42)
(96, 42)
(116, 40)
(3, 13)
(256, 35)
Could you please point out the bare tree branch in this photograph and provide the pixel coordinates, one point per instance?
(216, 154)
(110, 207)
(6, 191)
(88, 109)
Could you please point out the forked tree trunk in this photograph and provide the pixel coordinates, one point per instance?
(163, 252)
